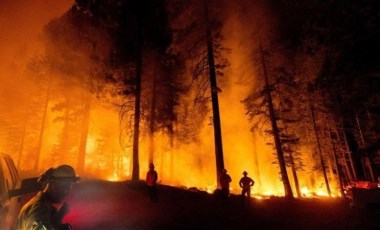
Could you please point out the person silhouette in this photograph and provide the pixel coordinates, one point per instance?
(151, 180)
(41, 212)
(246, 183)
(225, 181)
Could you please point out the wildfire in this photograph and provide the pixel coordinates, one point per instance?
(182, 163)
(259, 197)
(114, 177)
(305, 192)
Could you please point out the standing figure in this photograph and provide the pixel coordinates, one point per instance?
(41, 212)
(151, 180)
(225, 181)
(246, 183)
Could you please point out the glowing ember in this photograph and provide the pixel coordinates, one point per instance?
(114, 177)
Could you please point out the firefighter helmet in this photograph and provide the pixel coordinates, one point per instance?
(60, 173)
(64, 172)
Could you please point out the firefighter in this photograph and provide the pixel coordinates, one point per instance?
(40, 213)
(151, 180)
(246, 183)
(225, 181)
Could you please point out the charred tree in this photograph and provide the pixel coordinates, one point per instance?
(152, 118)
(345, 155)
(351, 160)
(322, 162)
(275, 130)
(333, 141)
(42, 129)
(62, 150)
(368, 162)
(336, 162)
(39, 102)
(150, 35)
(137, 93)
(294, 172)
(84, 130)
(198, 43)
(214, 100)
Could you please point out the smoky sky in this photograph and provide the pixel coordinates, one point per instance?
(21, 22)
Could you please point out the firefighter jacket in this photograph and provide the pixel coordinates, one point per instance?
(151, 178)
(39, 214)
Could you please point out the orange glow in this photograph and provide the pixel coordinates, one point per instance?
(108, 148)
(114, 177)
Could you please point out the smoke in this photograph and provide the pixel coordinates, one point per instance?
(21, 22)
(21, 25)
(244, 150)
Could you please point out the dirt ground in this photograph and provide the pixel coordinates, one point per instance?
(125, 205)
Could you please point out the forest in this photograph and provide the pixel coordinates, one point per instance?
(287, 90)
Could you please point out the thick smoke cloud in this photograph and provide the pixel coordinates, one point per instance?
(21, 22)
(21, 26)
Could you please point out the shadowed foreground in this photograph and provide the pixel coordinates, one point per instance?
(123, 205)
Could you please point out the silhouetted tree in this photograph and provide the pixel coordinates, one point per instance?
(198, 41)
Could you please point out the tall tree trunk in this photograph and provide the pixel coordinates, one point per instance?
(276, 132)
(171, 145)
(311, 154)
(152, 120)
(162, 165)
(215, 102)
(21, 149)
(295, 177)
(367, 159)
(319, 145)
(351, 159)
(353, 168)
(64, 144)
(136, 128)
(42, 129)
(335, 156)
(349, 174)
(84, 131)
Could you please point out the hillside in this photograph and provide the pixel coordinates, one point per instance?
(125, 205)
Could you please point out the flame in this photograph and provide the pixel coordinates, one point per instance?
(114, 177)
(91, 144)
(305, 192)
(108, 151)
